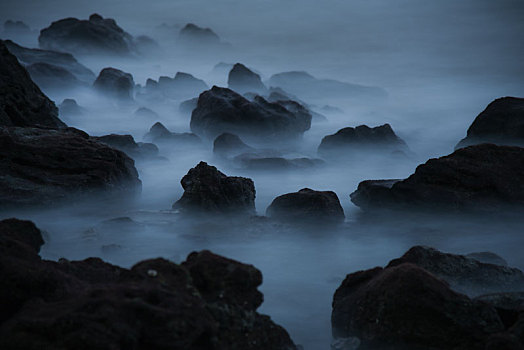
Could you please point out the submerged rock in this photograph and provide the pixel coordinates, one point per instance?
(127, 144)
(501, 123)
(207, 190)
(22, 103)
(115, 83)
(222, 110)
(307, 206)
(481, 178)
(207, 302)
(241, 79)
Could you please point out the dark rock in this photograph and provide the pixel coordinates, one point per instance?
(194, 35)
(481, 178)
(94, 36)
(188, 106)
(488, 258)
(241, 79)
(307, 206)
(40, 166)
(208, 302)
(181, 87)
(69, 108)
(115, 83)
(160, 134)
(206, 189)
(406, 307)
(229, 145)
(259, 161)
(22, 103)
(348, 141)
(48, 76)
(308, 87)
(465, 275)
(127, 144)
(146, 113)
(509, 305)
(501, 123)
(222, 110)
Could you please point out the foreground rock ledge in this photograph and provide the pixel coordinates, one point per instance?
(208, 302)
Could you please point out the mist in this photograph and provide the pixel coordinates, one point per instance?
(439, 64)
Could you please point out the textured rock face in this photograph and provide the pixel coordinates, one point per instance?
(222, 110)
(502, 123)
(352, 140)
(464, 274)
(405, 306)
(40, 166)
(208, 190)
(241, 79)
(208, 302)
(21, 101)
(116, 83)
(96, 35)
(476, 178)
(308, 206)
(127, 144)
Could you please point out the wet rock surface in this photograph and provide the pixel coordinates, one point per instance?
(208, 302)
(207, 190)
(472, 179)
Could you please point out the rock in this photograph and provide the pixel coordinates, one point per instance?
(241, 79)
(158, 133)
(229, 145)
(22, 103)
(501, 123)
(194, 35)
(188, 106)
(146, 46)
(86, 37)
(481, 178)
(222, 110)
(63, 60)
(488, 258)
(146, 113)
(48, 76)
(208, 302)
(42, 167)
(509, 305)
(307, 206)
(181, 87)
(15, 28)
(308, 87)
(406, 307)
(115, 83)
(208, 190)
(259, 161)
(465, 275)
(127, 144)
(69, 108)
(351, 141)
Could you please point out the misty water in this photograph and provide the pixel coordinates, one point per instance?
(440, 63)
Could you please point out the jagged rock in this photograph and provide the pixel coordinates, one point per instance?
(241, 79)
(39, 166)
(222, 110)
(406, 307)
(115, 83)
(22, 103)
(194, 35)
(307, 206)
(69, 108)
(208, 302)
(127, 144)
(94, 36)
(159, 133)
(481, 178)
(229, 145)
(501, 123)
(464, 274)
(48, 76)
(63, 60)
(146, 113)
(208, 190)
(308, 87)
(351, 141)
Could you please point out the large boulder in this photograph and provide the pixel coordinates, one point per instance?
(350, 141)
(207, 302)
(43, 166)
(307, 206)
(94, 36)
(502, 123)
(241, 79)
(222, 110)
(406, 307)
(481, 178)
(207, 190)
(115, 83)
(63, 60)
(22, 103)
(464, 274)
(127, 144)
